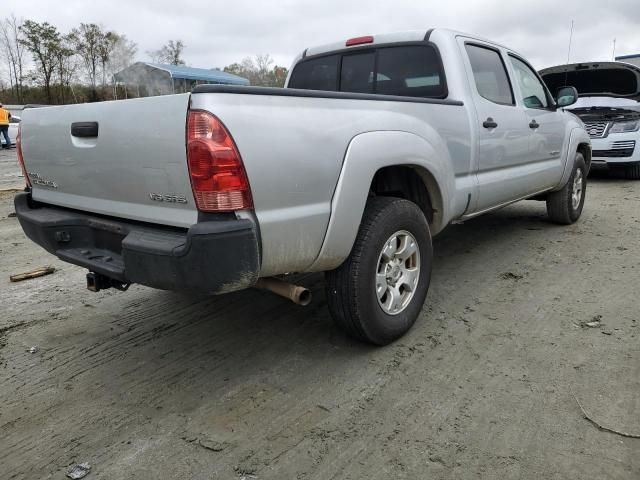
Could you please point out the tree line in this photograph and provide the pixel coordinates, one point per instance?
(260, 70)
(41, 64)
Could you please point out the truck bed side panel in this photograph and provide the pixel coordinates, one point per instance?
(293, 149)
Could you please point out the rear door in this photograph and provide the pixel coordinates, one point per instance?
(124, 158)
(503, 138)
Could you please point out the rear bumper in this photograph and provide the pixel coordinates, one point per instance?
(210, 257)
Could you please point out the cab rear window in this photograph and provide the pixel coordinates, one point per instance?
(316, 74)
(408, 71)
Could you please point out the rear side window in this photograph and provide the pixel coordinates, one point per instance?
(490, 74)
(409, 71)
(316, 74)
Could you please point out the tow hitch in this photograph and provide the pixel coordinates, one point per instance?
(97, 282)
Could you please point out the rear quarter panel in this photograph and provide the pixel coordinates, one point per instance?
(294, 148)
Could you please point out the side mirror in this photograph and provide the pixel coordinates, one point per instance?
(566, 96)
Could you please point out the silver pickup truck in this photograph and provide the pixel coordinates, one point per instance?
(375, 145)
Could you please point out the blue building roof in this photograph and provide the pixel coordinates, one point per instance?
(190, 73)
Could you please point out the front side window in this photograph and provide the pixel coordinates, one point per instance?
(490, 74)
(533, 92)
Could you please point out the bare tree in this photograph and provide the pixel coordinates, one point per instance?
(259, 71)
(105, 47)
(87, 41)
(263, 64)
(15, 51)
(170, 53)
(120, 55)
(66, 65)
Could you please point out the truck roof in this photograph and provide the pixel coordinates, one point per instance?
(393, 37)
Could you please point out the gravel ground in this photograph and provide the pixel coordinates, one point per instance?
(10, 175)
(149, 384)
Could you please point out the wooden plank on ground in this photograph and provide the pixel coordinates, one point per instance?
(38, 272)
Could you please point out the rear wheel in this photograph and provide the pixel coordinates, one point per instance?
(565, 206)
(378, 292)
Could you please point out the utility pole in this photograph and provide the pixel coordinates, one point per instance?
(613, 54)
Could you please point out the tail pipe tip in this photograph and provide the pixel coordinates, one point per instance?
(296, 293)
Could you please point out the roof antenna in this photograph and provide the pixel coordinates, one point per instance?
(566, 70)
(613, 54)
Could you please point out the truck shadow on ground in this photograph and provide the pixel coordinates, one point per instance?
(259, 325)
(605, 176)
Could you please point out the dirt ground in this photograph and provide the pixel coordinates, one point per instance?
(154, 385)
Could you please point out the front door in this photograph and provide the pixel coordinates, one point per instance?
(545, 123)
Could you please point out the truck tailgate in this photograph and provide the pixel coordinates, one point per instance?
(134, 168)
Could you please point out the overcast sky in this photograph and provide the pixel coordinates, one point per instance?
(217, 33)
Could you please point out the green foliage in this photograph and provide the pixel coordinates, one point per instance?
(45, 43)
(62, 63)
(62, 94)
(78, 66)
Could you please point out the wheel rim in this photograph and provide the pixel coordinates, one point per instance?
(576, 191)
(398, 272)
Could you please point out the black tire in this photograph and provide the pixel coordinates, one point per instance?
(632, 172)
(560, 207)
(351, 288)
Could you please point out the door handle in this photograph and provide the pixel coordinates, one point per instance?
(489, 123)
(534, 124)
(84, 129)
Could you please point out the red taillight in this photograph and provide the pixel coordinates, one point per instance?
(359, 40)
(218, 177)
(20, 157)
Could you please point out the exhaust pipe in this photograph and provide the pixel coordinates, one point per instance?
(295, 293)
